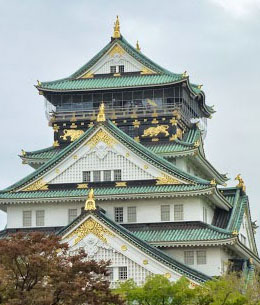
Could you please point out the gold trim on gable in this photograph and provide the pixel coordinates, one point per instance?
(116, 50)
(165, 179)
(89, 226)
(101, 136)
(37, 185)
(89, 74)
(146, 70)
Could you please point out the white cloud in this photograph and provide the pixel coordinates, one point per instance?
(239, 8)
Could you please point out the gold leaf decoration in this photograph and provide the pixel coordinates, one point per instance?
(101, 136)
(37, 185)
(165, 179)
(90, 226)
(73, 134)
(116, 50)
(155, 131)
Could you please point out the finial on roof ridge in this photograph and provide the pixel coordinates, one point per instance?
(90, 202)
(101, 117)
(138, 46)
(116, 33)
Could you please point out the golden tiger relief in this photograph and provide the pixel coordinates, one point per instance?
(154, 131)
(73, 134)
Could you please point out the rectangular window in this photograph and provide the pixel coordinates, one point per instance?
(178, 212)
(165, 212)
(201, 257)
(40, 218)
(121, 69)
(189, 257)
(119, 214)
(27, 218)
(96, 176)
(112, 69)
(122, 273)
(131, 214)
(111, 274)
(117, 175)
(73, 213)
(107, 175)
(205, 214)
(86, 176)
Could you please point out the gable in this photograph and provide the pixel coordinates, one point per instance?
(246, 233)
(101, 151)
(101, 242)
(116, 56)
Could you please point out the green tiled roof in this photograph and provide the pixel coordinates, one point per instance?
(142, 245)
(46, 153)
(110, 82)
(138, 148)
(108, 191)
(162, 76)
(178, 232)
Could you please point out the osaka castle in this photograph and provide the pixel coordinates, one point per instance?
(127, 177)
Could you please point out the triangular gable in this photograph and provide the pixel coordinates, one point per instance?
(116, 56)
(104, 239)
(169, 174)
(119, 51)
(101, 151)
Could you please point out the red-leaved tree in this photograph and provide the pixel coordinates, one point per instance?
(36, 269)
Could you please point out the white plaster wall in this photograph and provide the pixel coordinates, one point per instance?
(215, 258)
(56, 214)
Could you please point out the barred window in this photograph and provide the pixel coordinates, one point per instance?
(40, 218)
(27, 218)
(111, 273)
(73, 213)
(96, 176)
(165, 212)
(131, 214)
(119, 214)
(121, 69)
(112, 69)
(122, 273)
(86, 176)
(178, 212)
(189, 257)
(117, 175)
(107, 175)
(201, 257)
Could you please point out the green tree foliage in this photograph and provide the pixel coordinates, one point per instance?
(231, 289)
(36, 269)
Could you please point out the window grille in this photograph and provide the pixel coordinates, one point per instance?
(178, 212)
(201, 257)
(73, 213)
(189, 257)
(96, 176)
(111, 274)
(40, 218)
(121, 69)
(165, 212)
(112, 69)
(119, 214)
(27, 218)
(86, 176)
(205, 214)
(122, 273)
(131, 214)
(107, 175)
(117, 174)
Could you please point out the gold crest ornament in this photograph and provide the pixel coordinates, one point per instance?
(116, 33)
(101, 114)
(241, 183)
(90, 204)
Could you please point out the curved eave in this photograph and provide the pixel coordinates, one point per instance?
(219, 200)
(195, 243)
(57, 196)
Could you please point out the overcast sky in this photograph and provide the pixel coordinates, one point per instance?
(216, 41)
